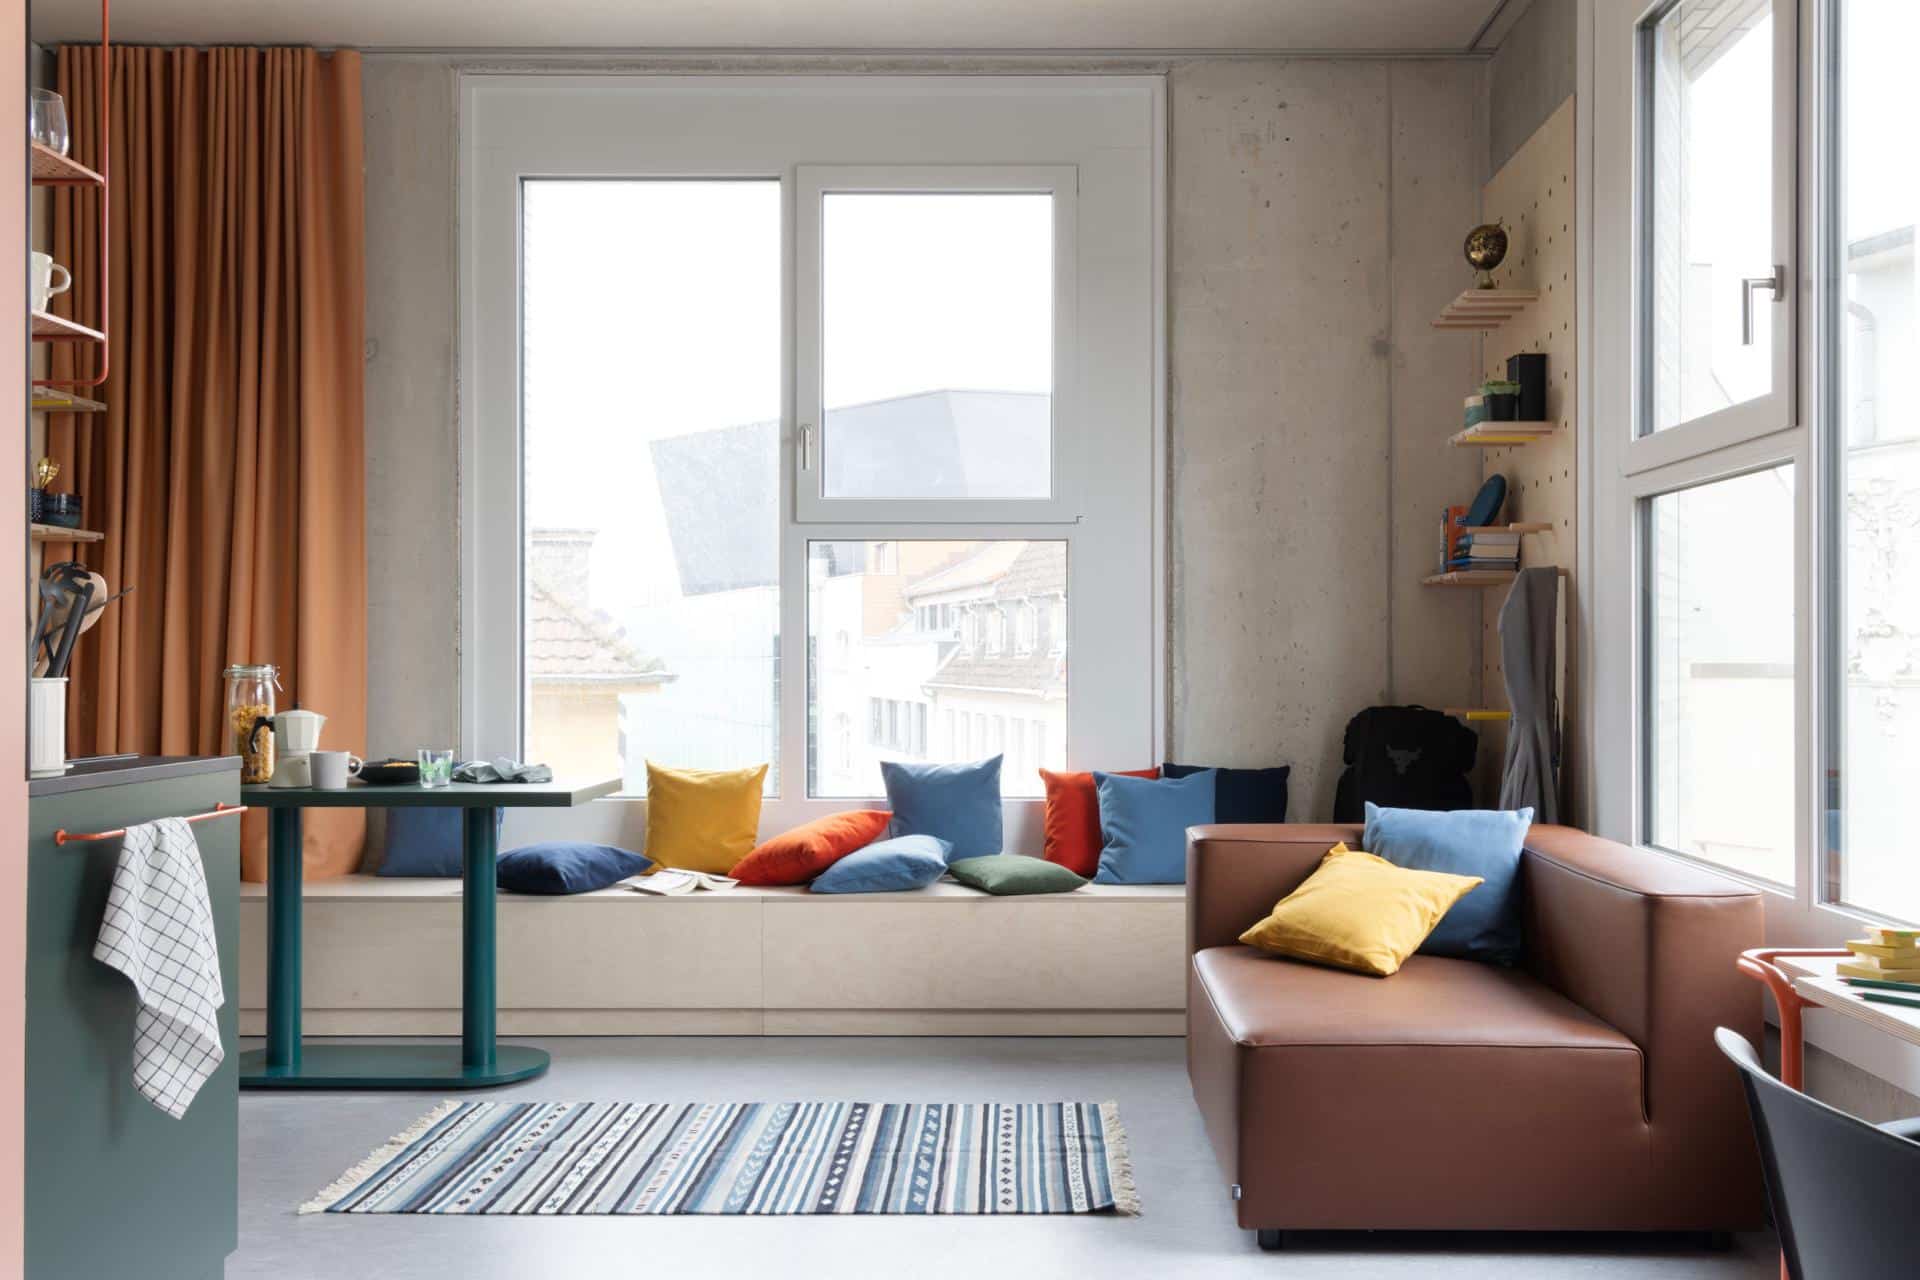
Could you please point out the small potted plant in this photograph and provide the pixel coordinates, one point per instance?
(1503, 400)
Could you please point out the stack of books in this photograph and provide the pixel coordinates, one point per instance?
(1497, 551)
(1890, 955)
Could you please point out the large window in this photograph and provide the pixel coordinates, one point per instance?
(766, 461)
(1871, 421)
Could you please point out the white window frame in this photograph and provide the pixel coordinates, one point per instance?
(1625, 470)
(812, 184)
(1109, 131)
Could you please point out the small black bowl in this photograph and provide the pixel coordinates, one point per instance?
(390, 773)
(61, 510)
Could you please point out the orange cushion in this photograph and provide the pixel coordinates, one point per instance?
(797, 856)
(1073, 819)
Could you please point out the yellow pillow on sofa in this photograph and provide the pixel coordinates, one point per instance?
(1359, 912)
(700, 819)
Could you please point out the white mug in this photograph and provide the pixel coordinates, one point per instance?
(331, 769)
(40, 279)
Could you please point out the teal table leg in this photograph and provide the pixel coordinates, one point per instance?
(285, 854)
(478, 993)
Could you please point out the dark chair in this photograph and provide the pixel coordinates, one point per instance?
(1842, 1189)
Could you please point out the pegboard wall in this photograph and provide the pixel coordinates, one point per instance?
(1533, 195)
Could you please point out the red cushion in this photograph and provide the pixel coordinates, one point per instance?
(797, 856)
(1073, 818)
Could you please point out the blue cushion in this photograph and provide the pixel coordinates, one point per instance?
(887, 866)
(425, 841)
(567, 866)
(958, 803)
(1242, 795)
(1143, 826)
(1484, 925)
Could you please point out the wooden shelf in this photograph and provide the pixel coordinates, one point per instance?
(61, 400)
(48, 327)
(1484, 309)
(54, 533)
(1491, 435)
(1541, 527)
(51, 169)
(1471, 578)
(1479, 713)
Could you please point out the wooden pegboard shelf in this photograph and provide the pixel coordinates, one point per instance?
(1535, 527)
(1470, 578)
(1492, 435)
(1484, 309)
(60, 400)
(54, 533)
(51, 169)
(48, 327)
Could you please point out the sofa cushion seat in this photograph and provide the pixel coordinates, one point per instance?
(1265, 1001)
(1392, 1082)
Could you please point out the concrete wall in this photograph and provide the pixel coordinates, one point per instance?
(1529, 76)
(1317, 209)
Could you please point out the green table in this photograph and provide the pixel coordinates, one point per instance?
(287, 1063)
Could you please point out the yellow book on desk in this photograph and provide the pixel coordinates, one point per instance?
(1881, 936)
(1899, 957)
(1859, 970)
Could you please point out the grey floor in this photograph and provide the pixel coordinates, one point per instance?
(293, 1144)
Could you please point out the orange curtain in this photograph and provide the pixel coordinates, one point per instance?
(228, 472)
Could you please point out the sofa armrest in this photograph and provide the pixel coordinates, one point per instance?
(1648, 944)
(1236, 873)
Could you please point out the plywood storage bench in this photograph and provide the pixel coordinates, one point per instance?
(382, 957)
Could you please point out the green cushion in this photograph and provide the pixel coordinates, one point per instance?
(1008, 873)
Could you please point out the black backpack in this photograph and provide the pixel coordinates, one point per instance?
(1405, 758)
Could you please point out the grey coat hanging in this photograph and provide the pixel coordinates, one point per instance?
(1529, 658)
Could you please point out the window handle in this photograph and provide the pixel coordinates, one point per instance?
(1777, 282)
(806, 446)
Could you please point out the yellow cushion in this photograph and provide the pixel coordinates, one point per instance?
(1359, 912)
(702, 820)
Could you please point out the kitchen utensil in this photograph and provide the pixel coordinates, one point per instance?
(44, 472)
(331, 769)
(292, 771)
(390, 772)
(295, 735)
(250, 690)
(47, 123)
(41, 270)
(66, 591)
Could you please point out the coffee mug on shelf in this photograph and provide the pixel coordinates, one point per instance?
(331, 769)
(41, 269)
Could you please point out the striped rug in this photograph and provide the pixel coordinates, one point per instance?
(747, 1158)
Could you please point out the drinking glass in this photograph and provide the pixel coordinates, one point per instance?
(48, 125)
(436, 767)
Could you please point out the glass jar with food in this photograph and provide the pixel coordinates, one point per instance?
(250, 689)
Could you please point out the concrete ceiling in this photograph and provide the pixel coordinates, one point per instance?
(1118, 25)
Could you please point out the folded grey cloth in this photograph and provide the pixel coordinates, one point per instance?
(502, 769)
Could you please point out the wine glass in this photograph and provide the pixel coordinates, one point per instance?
(48, 125)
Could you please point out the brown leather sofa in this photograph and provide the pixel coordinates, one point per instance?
(1581, 1091)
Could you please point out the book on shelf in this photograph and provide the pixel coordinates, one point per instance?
(1452, 521)
(1861, 969)
(672, 882)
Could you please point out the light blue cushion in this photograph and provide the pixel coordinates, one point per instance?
(1484, 925)
(426, 841)
(1143, 825)
(887, 866)
(958, 803)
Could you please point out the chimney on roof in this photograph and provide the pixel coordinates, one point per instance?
(557, 563)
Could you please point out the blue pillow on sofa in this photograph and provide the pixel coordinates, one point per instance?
(887, 866)
(1484, 925)
(957, 803)
(567, 866)
(1143, 826)
(1242, 795)
(426, 841)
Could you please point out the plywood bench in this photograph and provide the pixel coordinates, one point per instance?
(382, 957)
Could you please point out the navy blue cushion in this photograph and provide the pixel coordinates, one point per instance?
(887, 866)
(425, 841)
(1242, 795)
(958, 803)
(1484, 925)
(1143, 824)
(567, 866)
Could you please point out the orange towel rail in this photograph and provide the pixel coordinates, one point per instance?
(64, 836)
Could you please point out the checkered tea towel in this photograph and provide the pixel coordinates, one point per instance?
(158, 930)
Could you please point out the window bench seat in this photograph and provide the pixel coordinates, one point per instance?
(382, 957)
